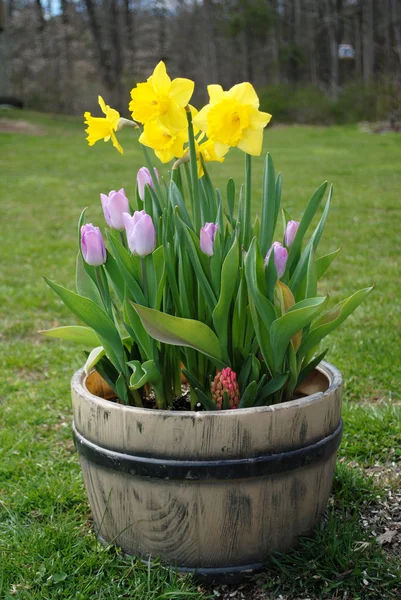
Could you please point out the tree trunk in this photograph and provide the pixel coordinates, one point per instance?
(4, 63)
(368, 41)
(41, 17)
(396, 20)
(129, 24)
(103, 57)
(117, 57)
(210, 27)
(69, 62)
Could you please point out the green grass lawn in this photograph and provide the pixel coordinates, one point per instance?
(47, 548)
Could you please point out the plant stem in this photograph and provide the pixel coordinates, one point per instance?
(144, 280)
(248, 197)
(123, 239)
(194, 172)
(101, 288)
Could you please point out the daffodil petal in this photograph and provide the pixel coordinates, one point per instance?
(159, 79)
(181, 91)
(244, 93)
(216, 92)
(252, 142)
(115, 143)
(259, 119)
(200, 120)
(102, 104)
(221, 149)
(164, 155)
(176, 117)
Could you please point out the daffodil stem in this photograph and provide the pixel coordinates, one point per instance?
(194, 172)
(248, 197)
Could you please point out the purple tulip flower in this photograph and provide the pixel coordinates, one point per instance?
(290, 232)
(280, 258)
(144, 178)
(141, 233)
(114, 205)
(207, 234)
(92, 245)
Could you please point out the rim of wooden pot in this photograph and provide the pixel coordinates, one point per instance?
(327, 369)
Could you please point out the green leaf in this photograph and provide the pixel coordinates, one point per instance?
(207, 402)
(299, 273)
(127, 268)
(137, 331)
(193, 251)
(268, 215)
(74, 333)
(255, 277)
(323, 263)
(115, 277)
(231, 198)
(121, 389)
(311, 277)
(91, 314)
(248, 397)
(278, 197)
(95, 355)
(181, 332)
(294, 320)
(177, 201)
(330, 320)
(84, 282)
(146, 372)
(305, 222)
(310, 367)
(271, 387)
(98, 353)
(239, 314)
(222, 313)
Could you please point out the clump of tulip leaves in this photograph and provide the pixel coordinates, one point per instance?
(178, 313)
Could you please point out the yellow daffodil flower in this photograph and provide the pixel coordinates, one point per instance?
(166, 143)
(206, 150)
(162, 99)
(233, 118)
(103, 128)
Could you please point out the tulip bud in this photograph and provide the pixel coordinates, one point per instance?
(92, 245)
(280, 258)
(144, 178)
(114, 205)
(141, 233)
(207, 234)
(290, 232)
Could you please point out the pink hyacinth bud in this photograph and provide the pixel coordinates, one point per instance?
(115, 204)
(290, 232)
(92, 245)
(207, 235)
(141, 233)
(143, 179)
(280, 257)
(225, 381)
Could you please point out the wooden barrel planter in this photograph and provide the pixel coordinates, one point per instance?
(211, 492)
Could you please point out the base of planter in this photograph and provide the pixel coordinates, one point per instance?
(224, 575)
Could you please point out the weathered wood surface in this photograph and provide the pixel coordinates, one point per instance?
(209, 523)
(209, 435)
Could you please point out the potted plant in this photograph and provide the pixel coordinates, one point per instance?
(206, 422)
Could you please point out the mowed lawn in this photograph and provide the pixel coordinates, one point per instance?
(47, 175)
